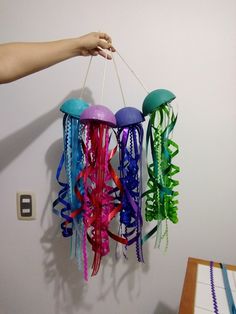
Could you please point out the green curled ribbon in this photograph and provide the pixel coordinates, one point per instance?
(161, 203)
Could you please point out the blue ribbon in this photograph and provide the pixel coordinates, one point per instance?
(130, 170)
(61, 199)
(73, 160)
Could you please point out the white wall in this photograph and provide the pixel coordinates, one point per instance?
(186, 46)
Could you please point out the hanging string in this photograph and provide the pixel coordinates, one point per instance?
(86, 76)
(104, 76)
(118, 77)
(132, 71)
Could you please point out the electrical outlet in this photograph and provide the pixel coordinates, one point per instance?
(25, 206)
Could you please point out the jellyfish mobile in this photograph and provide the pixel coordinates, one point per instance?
(67, 205)
(100, 204)
(161, 202)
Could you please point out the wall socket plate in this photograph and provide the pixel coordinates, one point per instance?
(25, 203)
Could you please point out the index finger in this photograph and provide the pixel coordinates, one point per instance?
(105, 36)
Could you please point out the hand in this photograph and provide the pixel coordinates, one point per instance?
(93, 44)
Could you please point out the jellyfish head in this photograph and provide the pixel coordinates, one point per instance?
(155, 99)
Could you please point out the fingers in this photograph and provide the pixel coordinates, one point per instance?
(104, 54)
(100, 52)
(105, 42)
(105, 45)
(94, 53)
(105, 36)
(97, 43)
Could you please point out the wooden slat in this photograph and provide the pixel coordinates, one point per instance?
(188, 293)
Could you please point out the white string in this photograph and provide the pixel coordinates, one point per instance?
(86, 76)
(104, 75)
(132, 72)
(117, 73)
(118, 77)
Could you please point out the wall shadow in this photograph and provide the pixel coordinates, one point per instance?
(14, 144)
(162, 308)
(129, 278)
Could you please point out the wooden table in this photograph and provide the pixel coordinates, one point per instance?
(189, 287)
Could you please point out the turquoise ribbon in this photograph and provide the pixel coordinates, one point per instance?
(228, 291)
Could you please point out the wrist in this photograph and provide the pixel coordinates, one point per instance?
(75, 47)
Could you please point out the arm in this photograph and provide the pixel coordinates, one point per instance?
(21, 59)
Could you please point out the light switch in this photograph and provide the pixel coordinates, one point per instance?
(25, 206)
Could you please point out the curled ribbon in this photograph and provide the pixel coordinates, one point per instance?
(100, 205)
(62, 200)
(130, 170)
(72, 159)
(161, 203)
